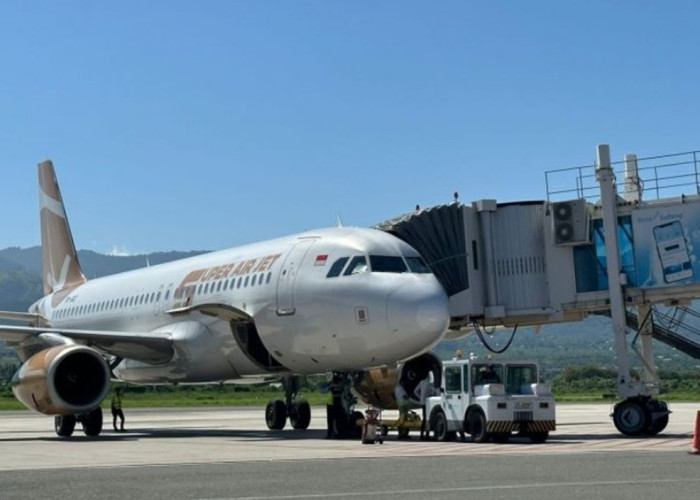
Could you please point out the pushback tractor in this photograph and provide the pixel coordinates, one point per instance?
(490, 401)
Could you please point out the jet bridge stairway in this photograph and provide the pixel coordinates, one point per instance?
(674, 327)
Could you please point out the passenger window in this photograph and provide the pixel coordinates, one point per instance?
(337, 267)
(357, 265)
(269, 277)
(387, 264)
(218, 287)
(245, 283)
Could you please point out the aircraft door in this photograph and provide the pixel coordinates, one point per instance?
(287, 277)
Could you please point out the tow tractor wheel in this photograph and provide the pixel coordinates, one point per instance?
(500, 437)
(92, 422)
(276, 415)
(439, 425)
(538, 437)
(477, 427)
(300, 415)
(64, 425)
(631, 417)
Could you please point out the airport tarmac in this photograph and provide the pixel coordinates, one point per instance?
(228, 453)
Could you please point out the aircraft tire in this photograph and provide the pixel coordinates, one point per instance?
(276, 415)
(92, 422)
(64, 425)
(300, 415)
(658, 424)
(631, 417)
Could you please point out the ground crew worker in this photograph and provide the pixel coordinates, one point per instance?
(404, 404)
(117, 409)
(423, 391)
(333, 405)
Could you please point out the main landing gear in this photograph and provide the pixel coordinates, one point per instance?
(298, 410)
(344, 420)
(91, 422)
(640, 416)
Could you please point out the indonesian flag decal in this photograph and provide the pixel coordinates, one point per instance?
(321, 260)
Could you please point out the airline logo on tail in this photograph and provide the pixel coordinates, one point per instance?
(60, 260)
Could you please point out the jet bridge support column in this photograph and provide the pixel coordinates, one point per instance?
(637, 414)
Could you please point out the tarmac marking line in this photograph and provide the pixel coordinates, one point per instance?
(432, 491)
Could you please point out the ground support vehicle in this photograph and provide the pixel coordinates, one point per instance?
(403, 424)
(491, 400)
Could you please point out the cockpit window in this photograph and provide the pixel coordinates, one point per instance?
(337, 266)
(357, 265)
(417, 265)
(387, 264)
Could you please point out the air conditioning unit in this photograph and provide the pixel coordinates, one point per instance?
(570, 222)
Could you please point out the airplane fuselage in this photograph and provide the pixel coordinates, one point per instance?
(333, 299)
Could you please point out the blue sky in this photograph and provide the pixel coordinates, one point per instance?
(203, 125)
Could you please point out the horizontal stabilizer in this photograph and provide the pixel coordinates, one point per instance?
(29, 318)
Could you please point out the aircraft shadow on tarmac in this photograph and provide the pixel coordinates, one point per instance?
(290, 435)
(137, 434)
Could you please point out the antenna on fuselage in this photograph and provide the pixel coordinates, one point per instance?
(339, 220)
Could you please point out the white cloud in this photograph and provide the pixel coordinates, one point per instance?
(119, 251)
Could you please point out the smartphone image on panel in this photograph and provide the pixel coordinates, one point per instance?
(673, 251)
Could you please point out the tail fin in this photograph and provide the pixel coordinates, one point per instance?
(61, 266)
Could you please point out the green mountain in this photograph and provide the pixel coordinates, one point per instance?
(20, 271)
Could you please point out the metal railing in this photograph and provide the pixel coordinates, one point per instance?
(657, 176)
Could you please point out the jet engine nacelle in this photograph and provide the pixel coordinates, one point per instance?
(377, 386)
(62, 380)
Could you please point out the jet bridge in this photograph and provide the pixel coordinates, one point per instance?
(581, 251)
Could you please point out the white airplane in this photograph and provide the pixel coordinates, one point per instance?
(344, 300)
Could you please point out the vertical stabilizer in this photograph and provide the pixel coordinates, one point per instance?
(61, 268)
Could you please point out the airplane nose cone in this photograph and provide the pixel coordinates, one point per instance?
(419, 310)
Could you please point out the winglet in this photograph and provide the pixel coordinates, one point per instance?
(60, 260)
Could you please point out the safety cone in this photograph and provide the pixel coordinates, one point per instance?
(695, 450)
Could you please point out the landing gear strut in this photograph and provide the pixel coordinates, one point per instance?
(298, 410)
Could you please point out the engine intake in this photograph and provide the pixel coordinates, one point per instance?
(62, 380)
(376, 387)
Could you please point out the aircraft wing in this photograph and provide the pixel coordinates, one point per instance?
(148, 347)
